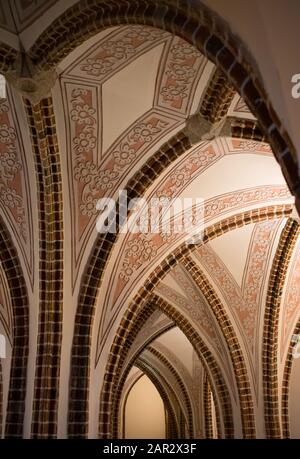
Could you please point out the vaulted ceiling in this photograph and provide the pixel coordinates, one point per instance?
(135, 107)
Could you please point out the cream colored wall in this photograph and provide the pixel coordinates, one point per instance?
(294, 401)
(214, 417)
(5, 369)
(144, 412)
(270, 29)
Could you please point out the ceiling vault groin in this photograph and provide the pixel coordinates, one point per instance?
(220, 46)
(35, 77)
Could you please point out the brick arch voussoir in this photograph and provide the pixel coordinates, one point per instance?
(285, 392)
(206, 358)
(212, 232)
(91, 282)
(277, 279)
(11, 265)
(80, 363)
(235, 350)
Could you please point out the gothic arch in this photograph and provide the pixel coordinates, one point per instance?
(127, 389)
(124, 371)
(210, 35)
(8, 56)
(180, 382)
(108, 396)
(236, 353)
(181, 417)
(174, 430)
(79, 390)
(236, 68)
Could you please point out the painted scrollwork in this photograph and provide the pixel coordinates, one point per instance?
(10, 167)
(98, 180)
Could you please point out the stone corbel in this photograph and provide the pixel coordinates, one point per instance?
(198, 129)
(295, 215)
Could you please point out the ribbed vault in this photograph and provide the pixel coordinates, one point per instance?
(159, 99)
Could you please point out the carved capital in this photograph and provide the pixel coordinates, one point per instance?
(36, 88)
(33, 84)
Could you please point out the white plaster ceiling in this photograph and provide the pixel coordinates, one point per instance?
(232, 248)
(179, 345)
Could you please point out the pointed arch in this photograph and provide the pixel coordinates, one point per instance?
(109, 399)
(278, 273)
(174, 428)
(236, 353)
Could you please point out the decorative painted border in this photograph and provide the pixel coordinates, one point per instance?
(201, 27)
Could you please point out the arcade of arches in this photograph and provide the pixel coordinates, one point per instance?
(149, 334)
